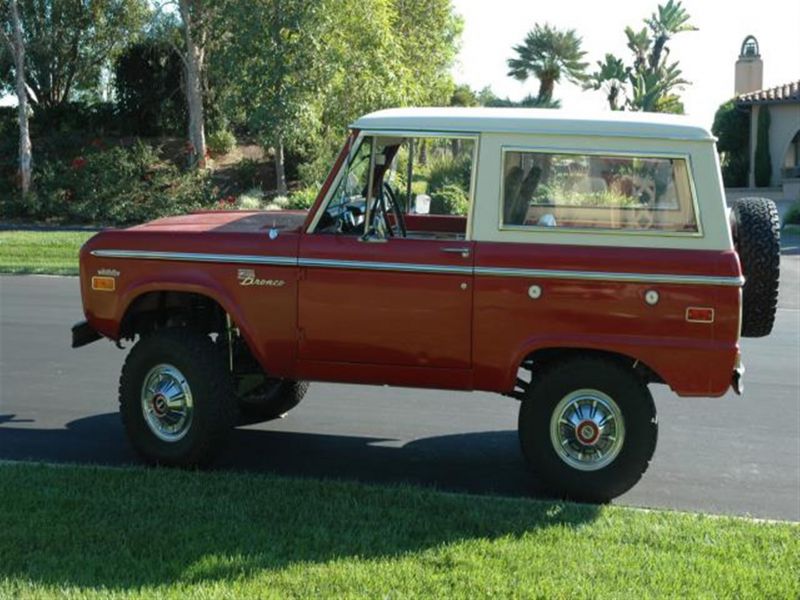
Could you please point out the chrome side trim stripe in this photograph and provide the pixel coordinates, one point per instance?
(197, 257)
(423, 268)
(384, 266)
(608, 276)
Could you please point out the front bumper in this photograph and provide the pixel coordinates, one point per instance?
(83, 334)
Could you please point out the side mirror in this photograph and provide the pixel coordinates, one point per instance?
(422, 204)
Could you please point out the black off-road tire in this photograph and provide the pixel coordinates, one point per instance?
(614, 379)
(757, 237)
(279, 398)
(214, 409)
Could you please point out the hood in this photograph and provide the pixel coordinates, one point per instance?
(227, 222)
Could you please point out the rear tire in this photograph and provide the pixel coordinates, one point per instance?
(757, 237)
(588, 428)
(176, 398)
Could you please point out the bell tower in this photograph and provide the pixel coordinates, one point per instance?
(749, 68)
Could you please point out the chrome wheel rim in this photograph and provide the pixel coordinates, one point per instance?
(167, 403)
(587, 430)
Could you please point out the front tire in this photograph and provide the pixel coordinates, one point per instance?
(176, 398)
(588, 428)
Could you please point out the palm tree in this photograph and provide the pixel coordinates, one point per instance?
(649, 83)
(611, 77)
(549, 55)
(672, 18)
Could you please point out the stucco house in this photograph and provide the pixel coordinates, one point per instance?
(784, 111)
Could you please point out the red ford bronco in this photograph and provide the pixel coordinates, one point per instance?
(569, 262)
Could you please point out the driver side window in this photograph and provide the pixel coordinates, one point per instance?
(391, 185)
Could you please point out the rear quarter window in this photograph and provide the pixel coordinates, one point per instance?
(596, 192)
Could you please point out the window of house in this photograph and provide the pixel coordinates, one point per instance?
(583, 191)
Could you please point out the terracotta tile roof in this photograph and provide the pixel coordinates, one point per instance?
(788, 92)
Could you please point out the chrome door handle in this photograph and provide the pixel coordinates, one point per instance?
(462, 251)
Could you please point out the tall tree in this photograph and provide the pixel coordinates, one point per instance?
(304, 71)
(278, 58)
(427, 33)
(195, 15)
(148, 81)
(16, 46)
(650, 82)
(464, 96)
(549, 55)
(732, 130)
(762, 166)
(68, 43)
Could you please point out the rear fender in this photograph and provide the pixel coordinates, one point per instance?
(689, 367)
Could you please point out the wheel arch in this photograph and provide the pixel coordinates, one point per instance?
(534, 358)
(144, 311)
(148, 306)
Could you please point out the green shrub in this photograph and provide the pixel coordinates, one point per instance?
(252, 199)
(221, 142)
(448, 170)
(419, 187)
(248, 173)
(449, 200)
(792, 216)
(732, 128)
(303, 198)
(119, 186)
(277, 203)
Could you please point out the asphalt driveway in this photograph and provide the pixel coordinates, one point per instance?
(737, 455)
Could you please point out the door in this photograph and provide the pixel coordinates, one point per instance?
(398, 301)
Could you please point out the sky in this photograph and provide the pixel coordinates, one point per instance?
(707, 57)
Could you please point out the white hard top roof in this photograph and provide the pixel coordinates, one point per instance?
(534, 120)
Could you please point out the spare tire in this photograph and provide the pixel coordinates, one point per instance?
(757, 238)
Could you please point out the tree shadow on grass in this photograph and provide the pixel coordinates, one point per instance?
(123, 529)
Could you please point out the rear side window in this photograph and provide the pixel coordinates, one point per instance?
(587, 191)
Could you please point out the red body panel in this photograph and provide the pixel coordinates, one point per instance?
(412, 312)
(694, 359)
(391, 318)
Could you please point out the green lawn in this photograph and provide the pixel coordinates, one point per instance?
(53, 252)
(84, 532)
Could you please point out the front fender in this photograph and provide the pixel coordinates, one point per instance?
(265, 316)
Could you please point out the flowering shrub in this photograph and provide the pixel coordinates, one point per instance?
(118, 186)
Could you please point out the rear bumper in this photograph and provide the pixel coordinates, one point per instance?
(83, 334)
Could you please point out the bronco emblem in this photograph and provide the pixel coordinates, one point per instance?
(247, 277)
